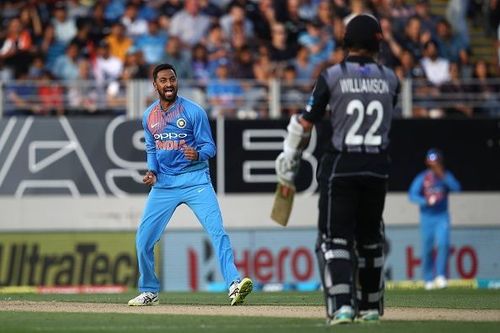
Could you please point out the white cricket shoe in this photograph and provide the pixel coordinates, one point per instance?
(239, 290)
(429, 285)
(145, 299)
(440, 282)
(344, 315)
(368, 316)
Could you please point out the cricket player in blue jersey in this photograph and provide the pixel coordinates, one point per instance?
(430, 190)
(178, 145)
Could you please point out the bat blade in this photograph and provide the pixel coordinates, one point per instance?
(282, 205)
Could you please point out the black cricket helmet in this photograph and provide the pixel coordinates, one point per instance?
(363, 32)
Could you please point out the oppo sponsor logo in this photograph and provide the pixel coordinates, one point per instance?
(170, 136)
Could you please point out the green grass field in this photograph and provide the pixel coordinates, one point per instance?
(113, 322)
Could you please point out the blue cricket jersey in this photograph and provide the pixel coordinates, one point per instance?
(185, 123)
(426, 184)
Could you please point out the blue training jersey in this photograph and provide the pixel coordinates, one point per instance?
(185, 123)
(426, 184)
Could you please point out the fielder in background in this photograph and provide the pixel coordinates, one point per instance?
(178, 145)
(430, 190)
(352, 175)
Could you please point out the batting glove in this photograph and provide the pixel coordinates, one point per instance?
(287, 169)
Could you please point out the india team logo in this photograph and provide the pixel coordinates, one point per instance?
(181, 123)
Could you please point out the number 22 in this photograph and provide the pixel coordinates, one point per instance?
(369, 139)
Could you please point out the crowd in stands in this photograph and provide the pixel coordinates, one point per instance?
(219, 44)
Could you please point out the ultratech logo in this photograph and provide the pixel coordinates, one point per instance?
(23, 264)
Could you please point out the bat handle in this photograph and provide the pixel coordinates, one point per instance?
(285, 191)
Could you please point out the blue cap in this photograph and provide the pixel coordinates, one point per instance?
(433, 155)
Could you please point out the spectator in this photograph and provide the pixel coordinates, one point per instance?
(430, 190)
(235, 16)
(134, 25)
(15, 52)
(11, 9)
(400, 13)
(174, 57)
(413, 39)
(216, 42)
(51, 47)
(243, 64)
(493, 17)
(199, 64)
(225, 95)
(210, 9)
(456, 13)
(76, 10)
(324, 14)
(428, 21)
(31, 21)
(357, 8)
(107, 67)
(152, 44)
(51, 95)
(21, 95)
(436, 69)
(308, 9)
(455, 93)
(37, 68)
(279, 50)
(65, 27)
(318, 41)
(183, 22)
(264, 19)
(66, 65)
(408, 68)
(485, 91)
(340, 8)
(83, 95)
(146, 10)
(256, 95)
(302, 64)
(170, 8)
(135, 66)
(84, 42)
(114, 10)
(294, 24)
(238, 39)
(338, 30)
(118, 42)
(390, 50)
(293, 94)
(250, 7)
(100, 26)
(450, 45)
(263, 67)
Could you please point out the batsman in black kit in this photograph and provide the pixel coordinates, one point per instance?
(352, 175)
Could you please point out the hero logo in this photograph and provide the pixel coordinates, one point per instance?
(170, 136)
(265, 265)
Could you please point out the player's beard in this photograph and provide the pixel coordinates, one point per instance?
(168, 96)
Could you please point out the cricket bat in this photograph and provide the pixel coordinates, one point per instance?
(282, 205)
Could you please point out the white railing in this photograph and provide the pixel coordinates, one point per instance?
(243, 99)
